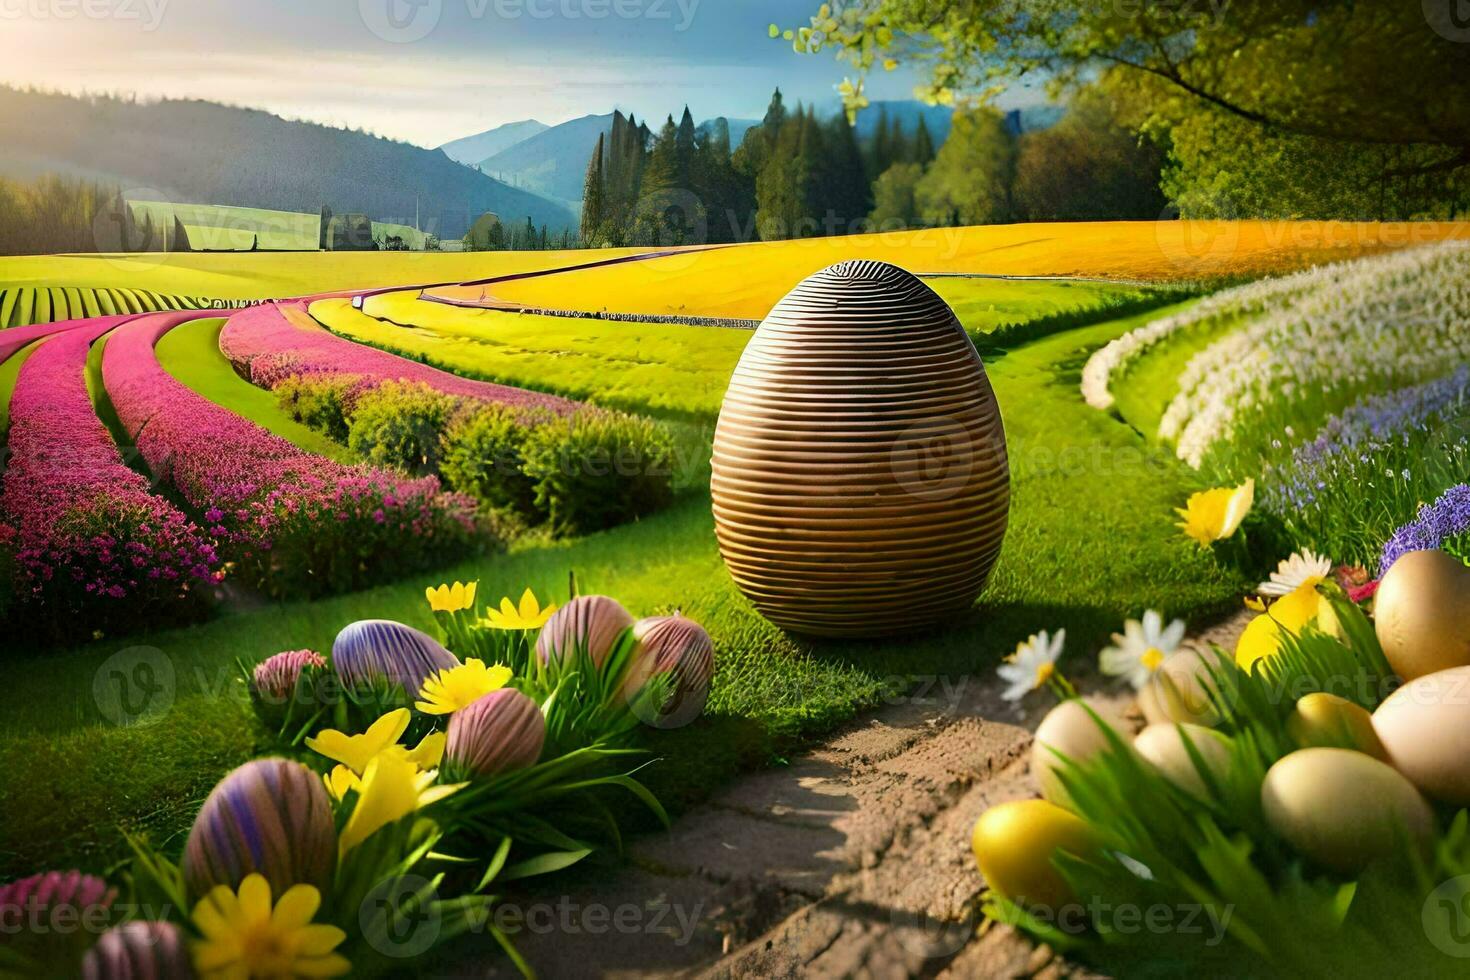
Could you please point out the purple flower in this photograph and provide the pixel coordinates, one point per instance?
(139, 951)
(501, 732)
(1446, 518)
(375, 649)
(45, 917)
(270, 815)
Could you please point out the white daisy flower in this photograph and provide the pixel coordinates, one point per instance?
(1294, 571)
(1032, 665)
(1141, 648)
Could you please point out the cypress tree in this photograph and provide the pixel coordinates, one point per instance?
(592, 194)
(922, 152)
(684, 147)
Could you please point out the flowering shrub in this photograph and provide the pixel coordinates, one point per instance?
(1442, 524)
(1370, 467)
(292, 521)
(91, 544)
(1390, 320)
(320, 402)
(596, 469)
(402, 425)
(273, 342)
(483, 456)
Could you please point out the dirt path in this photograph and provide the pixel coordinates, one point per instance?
(851, 861)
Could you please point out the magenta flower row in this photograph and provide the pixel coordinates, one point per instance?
(84, 527)
(259, 492)
(268, 346)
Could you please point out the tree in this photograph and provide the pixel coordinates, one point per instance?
(894, 194)
(1281, 67)
(1088, 167)
(848, 190)
(970, 180)
(180, 240)
(592, 194)
(684, 148)
(922, 150)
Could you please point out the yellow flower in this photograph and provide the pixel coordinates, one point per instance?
(459, 687)
(528, 616)
(1214, 515)
(1262, 636)
(430, 752)
(452, 599)
(244, 936)
(356, 751)
(391, 789)
(340, 780)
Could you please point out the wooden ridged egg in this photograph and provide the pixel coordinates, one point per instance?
(860, 479)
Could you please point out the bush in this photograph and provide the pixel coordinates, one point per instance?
(596, 469)
(402, 425)
(482, 455)
(320, 402)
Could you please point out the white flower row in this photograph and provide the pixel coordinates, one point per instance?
(1240, 302)
(1395, 319)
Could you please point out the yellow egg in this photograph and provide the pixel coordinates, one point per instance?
(1070, 730)
(1162, 746)
(1425, 726)
(1177, 692)
(1015, 842)
(1343, 809)
(1422, 614)
(1327, 721)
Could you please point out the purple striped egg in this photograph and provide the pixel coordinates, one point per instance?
(139, 951)
(591, 622)
(501, 732)
(270, 815)
(375, 649)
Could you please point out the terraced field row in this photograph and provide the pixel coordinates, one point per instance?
(21, 306)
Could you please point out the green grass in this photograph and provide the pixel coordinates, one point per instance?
(190, 352)
(985, 305)
(9, 373)
(658, 369)
(1142, 392)
(1091, 542)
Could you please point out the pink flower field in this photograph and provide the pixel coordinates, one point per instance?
(268, 346)
(88, 533)
(290, 520)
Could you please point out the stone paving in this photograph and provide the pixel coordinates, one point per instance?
(851, 861)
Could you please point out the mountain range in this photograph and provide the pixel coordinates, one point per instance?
(187, 151)
(472, 149)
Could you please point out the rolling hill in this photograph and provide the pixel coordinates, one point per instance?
(202, 152)
(470, 150)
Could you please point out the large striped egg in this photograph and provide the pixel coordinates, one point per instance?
(860, 478)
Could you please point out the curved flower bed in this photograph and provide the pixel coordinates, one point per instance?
(273, 342)
(15, 338)
(1398, 320)
(1370, 467)
(90, 541)
(292, 521)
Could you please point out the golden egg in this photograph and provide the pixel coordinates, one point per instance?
(1343, 809)
(1422, 613)
(1162, 746)
(1070, 730)
(1015, 842)
(1425, 727)
(1177, 691)
(1327, 721)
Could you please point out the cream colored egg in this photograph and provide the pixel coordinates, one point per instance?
(1162, 746)
(1071, 730)
(1422, 614)
(1327, 721)
(1177, 690)
(1425, 726)
(1342, 809)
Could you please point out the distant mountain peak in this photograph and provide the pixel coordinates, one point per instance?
(470, 150)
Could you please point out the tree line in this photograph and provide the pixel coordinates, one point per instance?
(55, 214)
(796, 175)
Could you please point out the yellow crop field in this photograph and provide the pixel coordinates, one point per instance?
(274, 275)
(745, 281)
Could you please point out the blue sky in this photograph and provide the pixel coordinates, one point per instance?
(427, 71)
